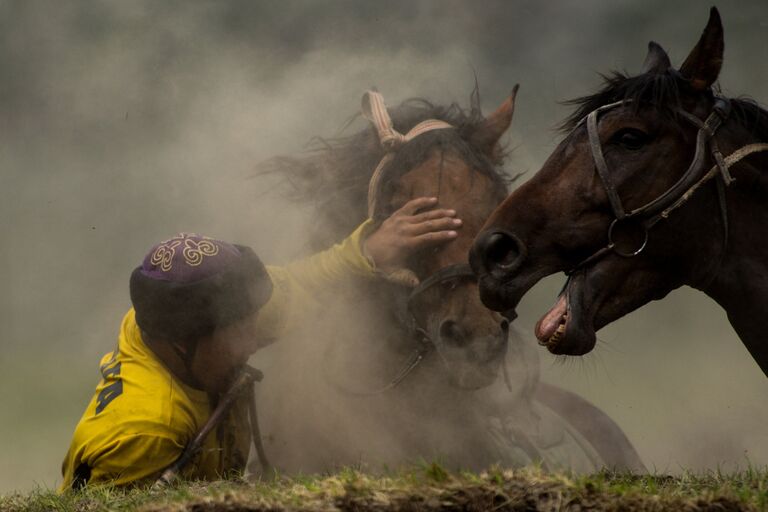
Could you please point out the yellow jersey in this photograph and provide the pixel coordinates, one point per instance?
(141, 417)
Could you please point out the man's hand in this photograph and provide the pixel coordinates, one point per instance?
(407, 231)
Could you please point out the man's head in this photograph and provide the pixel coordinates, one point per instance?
(199, 295)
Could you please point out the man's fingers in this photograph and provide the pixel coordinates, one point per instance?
(433, 238)
(441, 224)
(414, 205)
(431, 214)
(414, 227)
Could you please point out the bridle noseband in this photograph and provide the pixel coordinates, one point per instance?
(451, 273)
(659, 208)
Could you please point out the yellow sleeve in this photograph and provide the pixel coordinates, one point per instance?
(297, 285)
(131, 459)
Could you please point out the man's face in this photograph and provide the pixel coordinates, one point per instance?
(220, 355)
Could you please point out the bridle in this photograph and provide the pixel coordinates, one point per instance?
(648, 215)
(375, 111)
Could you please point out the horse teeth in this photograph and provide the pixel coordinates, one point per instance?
(557, 335)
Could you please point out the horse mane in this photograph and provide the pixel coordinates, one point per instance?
(664, 92)
(331, 177)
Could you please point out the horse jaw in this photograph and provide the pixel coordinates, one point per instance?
(592, 299)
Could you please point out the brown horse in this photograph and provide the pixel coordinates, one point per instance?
(660, 183)
(456, 403)
(459, 166)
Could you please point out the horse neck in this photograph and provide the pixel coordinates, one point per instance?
(741, 283)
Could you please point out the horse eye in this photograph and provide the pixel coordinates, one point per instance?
(630, 138)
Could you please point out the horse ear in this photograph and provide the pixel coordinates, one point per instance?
(657, 60)
(703, 64)
(486, 136)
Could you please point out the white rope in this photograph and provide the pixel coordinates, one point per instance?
(375, 111)
(729, 161)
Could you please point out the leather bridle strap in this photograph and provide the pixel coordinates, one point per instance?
(599, 159)
(706, 132)
(407, 367)
(650, 213)
(450, 273)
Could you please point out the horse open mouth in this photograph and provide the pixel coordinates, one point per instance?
(564, 329)
(550, 329)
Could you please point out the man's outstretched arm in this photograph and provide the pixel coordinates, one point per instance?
(365, 253)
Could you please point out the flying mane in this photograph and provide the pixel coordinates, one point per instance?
(332, 176)
(664, 92)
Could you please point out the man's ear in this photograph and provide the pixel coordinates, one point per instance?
(486, 136)
(703, 64)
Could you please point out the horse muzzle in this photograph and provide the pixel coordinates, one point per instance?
(497, 257)
(472, 361)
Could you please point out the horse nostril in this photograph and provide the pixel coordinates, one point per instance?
(504, 324)
(451, 334)
(502, 252)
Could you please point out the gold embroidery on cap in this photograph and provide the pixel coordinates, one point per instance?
(163, 255)
(193, 252)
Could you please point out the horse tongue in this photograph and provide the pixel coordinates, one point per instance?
(549, 323)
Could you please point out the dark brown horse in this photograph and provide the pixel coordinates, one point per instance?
(660, 183)
(456, 404)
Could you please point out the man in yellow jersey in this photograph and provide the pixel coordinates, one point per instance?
(201, 307)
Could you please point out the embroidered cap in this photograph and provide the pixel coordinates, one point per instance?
(189, 285)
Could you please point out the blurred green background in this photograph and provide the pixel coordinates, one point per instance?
(123, 122)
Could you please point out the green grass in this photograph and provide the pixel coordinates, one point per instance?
(428, 486)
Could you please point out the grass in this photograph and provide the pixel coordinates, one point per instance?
(428, 486)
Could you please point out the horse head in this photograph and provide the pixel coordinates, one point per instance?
(457, 164)
(376, 170)
(614, 205)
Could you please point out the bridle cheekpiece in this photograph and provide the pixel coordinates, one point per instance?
(648, 215)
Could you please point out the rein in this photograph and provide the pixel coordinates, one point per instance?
(243, 385)
(647, 216)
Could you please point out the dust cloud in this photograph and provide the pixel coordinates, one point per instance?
(124, 122)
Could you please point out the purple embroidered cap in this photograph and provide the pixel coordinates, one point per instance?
(188, 257)
(190, 285)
